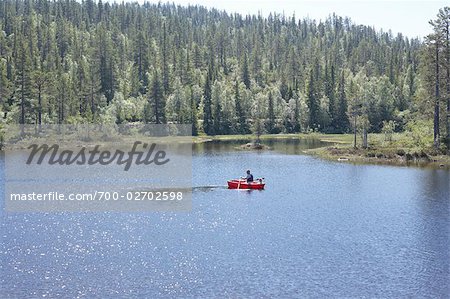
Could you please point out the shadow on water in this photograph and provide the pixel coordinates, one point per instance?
(208, 188)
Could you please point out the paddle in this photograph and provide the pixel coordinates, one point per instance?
(239, 184)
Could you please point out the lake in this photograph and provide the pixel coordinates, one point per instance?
(319, 229)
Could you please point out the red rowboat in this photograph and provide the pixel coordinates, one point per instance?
(242, 184)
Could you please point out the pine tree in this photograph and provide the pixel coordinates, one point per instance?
(194, 117)
(242, 127)
(165, 64)
(197, 57)
(312, 102)
(294, 67)
(207, 112)
(40, 81)
(434, 42)
(409, 89)
(342, 121)
(93, 84)
(187, 74)
(217, 115)
(330, 85)
(296, 119)
(5, 87)
(245, 72)
(284, 88)
(156, 100)
(62, 92)
(23, 80)
(270, 124)
(443, 25)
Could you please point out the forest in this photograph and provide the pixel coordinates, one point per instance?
(68, 62)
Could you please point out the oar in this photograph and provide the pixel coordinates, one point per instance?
(239, 184)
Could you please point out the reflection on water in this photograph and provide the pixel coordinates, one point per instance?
(291, 146)
(320, 229)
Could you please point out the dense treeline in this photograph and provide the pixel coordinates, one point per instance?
(68, 62)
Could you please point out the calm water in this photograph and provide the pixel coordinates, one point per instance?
(320, 229)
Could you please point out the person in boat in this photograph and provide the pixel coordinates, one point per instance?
(249, 177)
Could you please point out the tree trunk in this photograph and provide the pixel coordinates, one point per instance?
(436, 103)
(354, 131)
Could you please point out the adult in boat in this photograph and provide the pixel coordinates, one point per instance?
(249, 177)
(246, 182)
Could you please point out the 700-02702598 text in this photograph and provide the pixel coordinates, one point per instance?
(100, 196)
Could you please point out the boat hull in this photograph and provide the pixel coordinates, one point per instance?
(242, 184)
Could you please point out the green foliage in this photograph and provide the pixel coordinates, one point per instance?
(388, 129)
(155, 111)
(419, 132)
(245, 72)
(64, 61)
(194, 114)
(207, 106)
(313, 103)
(270, 123)
(242, 125)
(435, 75)
(342, 123)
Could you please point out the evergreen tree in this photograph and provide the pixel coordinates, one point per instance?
(62, 95)
(165, 66)
(342, 121)
(40, 81)
(312, 102)
(330, 86)
(217, 115)
(194, 117)
(245, 72)
(270, 124)
(157, 101)
(5, 87)
(207, 109)
(434, 42)
(296, 119)
(242, 127)
(23, 80)
(443, 25)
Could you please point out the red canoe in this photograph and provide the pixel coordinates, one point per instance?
(242, 184)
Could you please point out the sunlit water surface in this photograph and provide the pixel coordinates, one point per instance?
(319, 229)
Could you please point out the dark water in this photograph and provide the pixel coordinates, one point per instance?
(320, 229)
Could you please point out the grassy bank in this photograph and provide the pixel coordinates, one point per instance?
(401, 149)
(333, 138)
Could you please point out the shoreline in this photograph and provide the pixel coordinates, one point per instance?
(341, 149)
(379, 157)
